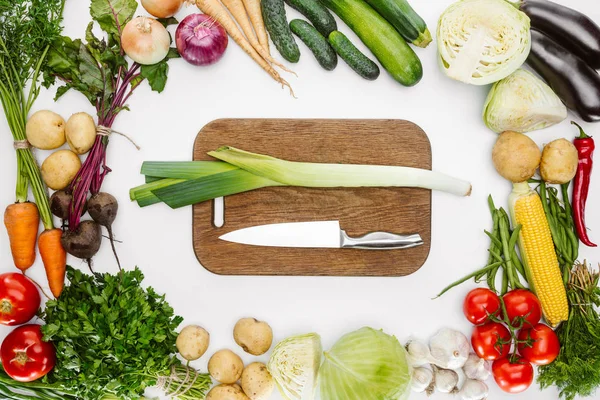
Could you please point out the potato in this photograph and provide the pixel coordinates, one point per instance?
(254, 336)
(257, 382)
(45, 130)
(559, 161)
(225, 366)
(226, 392)
(59, 169)
(80, 132)
(516, 156)
(192, 342)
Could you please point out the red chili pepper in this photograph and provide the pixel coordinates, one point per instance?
(585, 149)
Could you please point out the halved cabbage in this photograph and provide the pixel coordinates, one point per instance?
(522, 102)
(294, 366)
(366, 364)
(482, 41)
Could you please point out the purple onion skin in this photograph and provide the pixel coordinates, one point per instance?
(201, 40)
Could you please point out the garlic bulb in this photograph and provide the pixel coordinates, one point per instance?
(418, 353)
(449, 349)
(477, 368)
(145, 40)
(445, 380)
(421, 379)
(473, 390)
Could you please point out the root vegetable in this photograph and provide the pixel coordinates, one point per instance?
(54, 258)
(559, 161)
(59, 169)
(516, 156)
(252, 335)
(226, 392)
(103, 208)
(80, 132)
(145, 40)
(225, 366)
(22, 221)
(192, 342)
(257, 382)
(59, 204)
(162, 8)
(45, 130)
(83, 242)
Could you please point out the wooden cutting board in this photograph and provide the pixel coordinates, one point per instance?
(359, 210)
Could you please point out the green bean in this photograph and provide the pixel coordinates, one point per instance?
(507, 254)
(494, 239)
(543, 196)
(491, 278)
(504, 282)
(466, 278)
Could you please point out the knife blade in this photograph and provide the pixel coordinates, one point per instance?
(318, 234)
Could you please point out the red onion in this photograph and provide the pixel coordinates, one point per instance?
(200, 39)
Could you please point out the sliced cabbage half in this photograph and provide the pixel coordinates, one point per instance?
(294, 366)
(522, 102)
(366, 364)
(482, 41)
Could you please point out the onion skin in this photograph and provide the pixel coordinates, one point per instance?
(145, 40)
(162, 8)
(201, 40)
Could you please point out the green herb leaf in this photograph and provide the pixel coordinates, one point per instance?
(166, 22)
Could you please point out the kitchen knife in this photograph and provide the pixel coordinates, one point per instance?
(327, 234)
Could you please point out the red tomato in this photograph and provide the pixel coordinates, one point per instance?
(491, 341)
(545, 346)
(522, 303)
(25, 357)
(513, 378)
(479, 303)
(19, 299)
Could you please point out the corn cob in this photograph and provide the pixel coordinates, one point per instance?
(538, 254)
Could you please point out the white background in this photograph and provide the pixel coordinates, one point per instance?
(159, 240)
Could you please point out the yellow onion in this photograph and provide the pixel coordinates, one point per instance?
(162, 8)
(145, 40)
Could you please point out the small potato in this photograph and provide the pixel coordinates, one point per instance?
(516, 156)
(45, 130)
(257, 382)
(80, 132)
(225, 366)
(559, 161)
(59, 169)
(226, 392)
(192, 342)
(252, 335)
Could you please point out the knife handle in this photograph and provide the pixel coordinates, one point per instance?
(380, 241)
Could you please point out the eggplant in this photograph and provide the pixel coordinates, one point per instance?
(571, 78)
(570, 28)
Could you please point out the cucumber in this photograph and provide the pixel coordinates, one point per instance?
(390, 48)
(353, 56)
(273, 12)
(316, 13)
(406, 21)
(319, 46)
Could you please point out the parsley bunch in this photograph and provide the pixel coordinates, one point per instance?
(576, 370)
(114, 338)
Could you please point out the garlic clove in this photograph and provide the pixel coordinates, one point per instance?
(462, 378)
(421, 379)
(474, 390)
(449, 349)
(445, 380)
(477, 368)
(418, 353)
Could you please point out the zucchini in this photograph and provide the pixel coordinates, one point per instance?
(390, 48)
(406, 21)
(360, 63)
(319, 46)
(273, 12)
(316, 13)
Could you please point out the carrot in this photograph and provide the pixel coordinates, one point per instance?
(216, 10)
(237, 10)
(22, 221)
(255, 14)
(54, 258)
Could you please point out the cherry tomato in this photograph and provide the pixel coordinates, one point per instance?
(491, 341)
(19, 299)
(545, 346)
(515, 377)
(479, 303)
(25, 357)
(522, 303)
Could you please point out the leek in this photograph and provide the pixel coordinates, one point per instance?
(180, 184)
